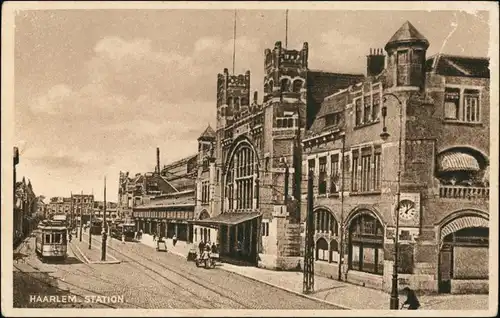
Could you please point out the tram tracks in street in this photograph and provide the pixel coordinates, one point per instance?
(94, 273)
(30, 274)
(194, 281)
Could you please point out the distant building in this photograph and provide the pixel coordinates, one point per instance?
(162, 201)
(58, 205)
(25, 210)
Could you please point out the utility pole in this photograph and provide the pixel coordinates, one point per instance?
(287, 176)
(105, 227)
(308, 283)
(90, 228)
(341, 225)
(81, 216)
(71, 219)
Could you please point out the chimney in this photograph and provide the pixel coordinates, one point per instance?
(375, 62)
(157, 159)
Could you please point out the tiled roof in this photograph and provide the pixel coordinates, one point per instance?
(464, 66)
(209, 133)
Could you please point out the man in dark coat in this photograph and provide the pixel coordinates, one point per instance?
(201, 247)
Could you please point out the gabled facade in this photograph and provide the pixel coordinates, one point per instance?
(433, 114)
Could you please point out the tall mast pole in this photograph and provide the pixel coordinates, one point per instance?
(234, 41)
(286, 29)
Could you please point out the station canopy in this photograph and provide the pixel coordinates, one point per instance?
(227, 219)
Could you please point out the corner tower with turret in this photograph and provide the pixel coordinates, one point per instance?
(406, 51)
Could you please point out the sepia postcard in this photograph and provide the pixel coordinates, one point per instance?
(249, 159)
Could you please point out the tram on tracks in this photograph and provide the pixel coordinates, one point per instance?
(96, 227)
(51, 241)
(126, 229)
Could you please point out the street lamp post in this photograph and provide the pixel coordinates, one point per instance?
(341, 225)
(394, 303)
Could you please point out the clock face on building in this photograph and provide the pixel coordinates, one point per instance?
(407, 210)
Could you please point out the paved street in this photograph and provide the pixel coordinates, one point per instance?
(145, 279)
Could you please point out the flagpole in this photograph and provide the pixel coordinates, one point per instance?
(234, 41)
(286, 29)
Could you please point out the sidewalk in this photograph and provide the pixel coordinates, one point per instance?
(92, 256)
(336, 292)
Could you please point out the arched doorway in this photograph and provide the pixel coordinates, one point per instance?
(366, 244)
(464, 251)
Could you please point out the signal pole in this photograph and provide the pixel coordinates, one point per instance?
(308, 283)
(104, 228)
(81, 216)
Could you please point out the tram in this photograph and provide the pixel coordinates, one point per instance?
(96, 227)
(127, 229)
(51, 240)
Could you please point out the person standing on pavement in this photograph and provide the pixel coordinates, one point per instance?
(140, 234)
(154, 236)
(201, 246)
(174, 239)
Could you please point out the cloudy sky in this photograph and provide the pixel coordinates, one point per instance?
(96, 91)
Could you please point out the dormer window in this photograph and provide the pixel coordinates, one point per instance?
(333, 119)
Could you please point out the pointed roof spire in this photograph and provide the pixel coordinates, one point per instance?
(407, 33)
(209, 133)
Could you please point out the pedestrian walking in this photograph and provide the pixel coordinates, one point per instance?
(174, 239)
(135, 235)
(154, 237)
(214, 248)
(238, 248)
(201, 246)
(411, 299)
(123, 238)
(140, 234)
(70, 237)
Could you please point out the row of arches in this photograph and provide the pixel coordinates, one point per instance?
(460, 235)
(286, 85)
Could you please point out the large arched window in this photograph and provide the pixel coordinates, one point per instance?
(241, 177)
(327, 230)
(366, 244)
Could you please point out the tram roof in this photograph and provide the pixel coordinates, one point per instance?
(53, 227)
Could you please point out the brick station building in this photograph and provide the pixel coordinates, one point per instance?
(443, 213)
(240, 184)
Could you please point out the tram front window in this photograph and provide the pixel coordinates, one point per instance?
(57, 238)
(47, 239)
